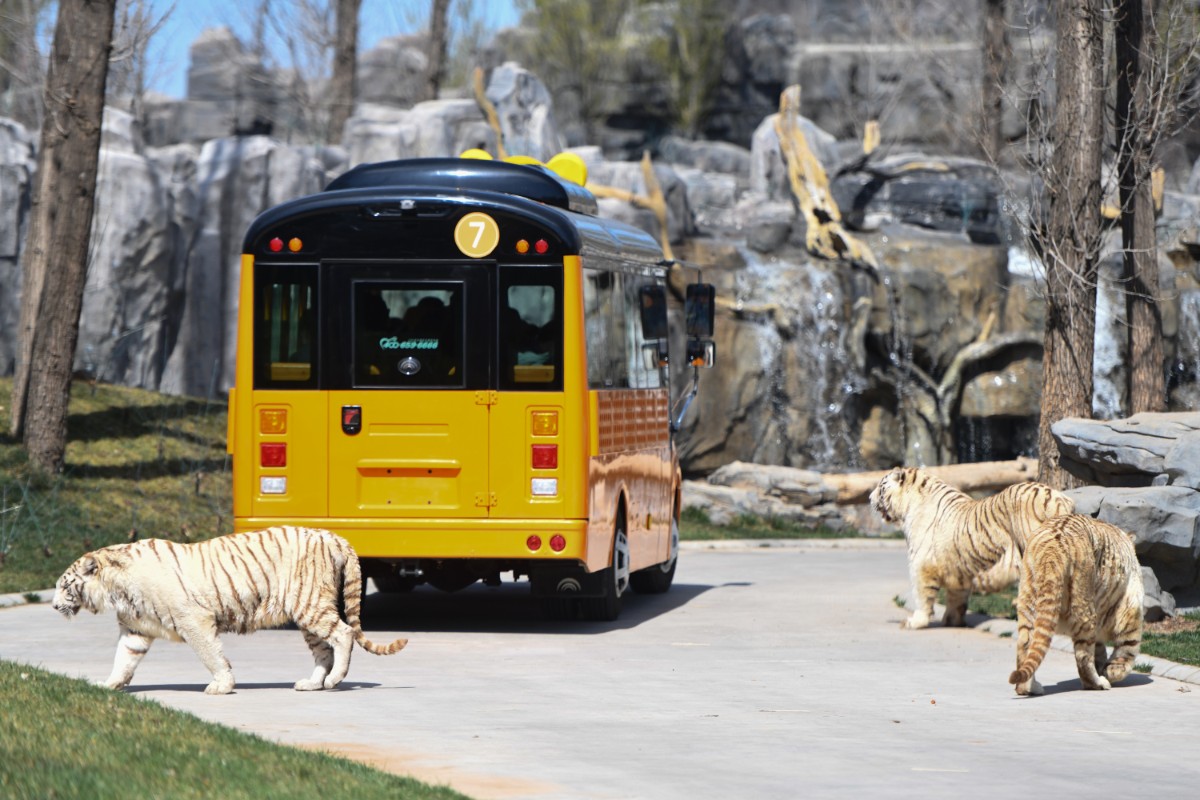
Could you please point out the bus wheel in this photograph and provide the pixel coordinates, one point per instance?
(607, 606)
(657, 579)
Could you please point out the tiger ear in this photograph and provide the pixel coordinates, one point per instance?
(90, 565)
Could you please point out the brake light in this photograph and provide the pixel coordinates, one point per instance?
(534, 542)
(558, 543)
(545, 456)
(273, 454)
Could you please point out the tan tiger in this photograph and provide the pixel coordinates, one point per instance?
(958, 543)
(238, 583)
(1080, 577)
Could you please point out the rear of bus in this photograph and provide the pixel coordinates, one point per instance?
(412, 374)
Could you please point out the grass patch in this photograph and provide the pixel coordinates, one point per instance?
(135, 461)
(1143, 667)
(69, 739)
(695, 525)
(1001, 605)
(1181, 645)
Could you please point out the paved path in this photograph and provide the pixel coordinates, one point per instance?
(765, 673)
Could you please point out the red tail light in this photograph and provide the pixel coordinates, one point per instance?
(273, 454)
(534, 542)
(558, 543)
(545, 456)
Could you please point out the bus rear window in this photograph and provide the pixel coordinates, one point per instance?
(285, 328)
(408, 334)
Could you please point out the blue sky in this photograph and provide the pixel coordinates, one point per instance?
(378, 19)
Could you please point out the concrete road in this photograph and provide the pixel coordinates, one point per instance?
(764, 673)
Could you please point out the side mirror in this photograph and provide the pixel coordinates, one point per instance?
(699, 308)
(653, 303)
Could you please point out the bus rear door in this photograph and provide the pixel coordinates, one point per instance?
(410, 433)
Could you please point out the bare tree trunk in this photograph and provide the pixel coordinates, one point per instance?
(997, 53)
(438, 44)
(1072, 246)
(343, 88)
(56, 251)
(1134, 33)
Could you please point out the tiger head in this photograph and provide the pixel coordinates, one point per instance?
(72, 590)
(887, 497)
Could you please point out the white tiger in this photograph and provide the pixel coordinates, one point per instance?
(238, 583)
(958, 543)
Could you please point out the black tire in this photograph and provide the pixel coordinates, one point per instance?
(658, 578)
(560, 609)
(607, 607)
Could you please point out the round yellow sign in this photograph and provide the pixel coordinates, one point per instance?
(477, 234)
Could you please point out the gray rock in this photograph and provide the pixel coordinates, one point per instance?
(1157, 604)
(768, 171)
(628, 175)
(393, 71)
(1163, 520)
(526, 112)
(433, 128)
(1126, 452)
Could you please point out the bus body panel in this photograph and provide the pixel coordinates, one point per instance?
(418, 453)
(304, 416)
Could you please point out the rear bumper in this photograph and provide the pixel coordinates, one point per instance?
(445, 538)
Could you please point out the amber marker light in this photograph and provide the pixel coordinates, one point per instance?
(272, 420)
(545, 423)
(523, 246)
(294, 244)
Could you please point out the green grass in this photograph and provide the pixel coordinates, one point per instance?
(135, 461)
(65, 738)
(1182, 647)
(694, 525)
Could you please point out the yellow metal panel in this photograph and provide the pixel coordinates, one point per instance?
(307, 454)
(420, 453)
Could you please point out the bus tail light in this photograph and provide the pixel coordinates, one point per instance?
(534, 542)
(558, 543)
(272, 420)
(273, 454)
(545, 456)
(544, 487)
(270, 484)
(545, 423)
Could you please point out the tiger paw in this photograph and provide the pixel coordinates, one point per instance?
(219, 687)
(915, 622)
(308, 685)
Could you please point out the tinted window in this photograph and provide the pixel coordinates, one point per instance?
(408, 334)
(530, 328)
(285, 327)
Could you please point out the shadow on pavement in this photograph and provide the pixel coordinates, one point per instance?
(198, 688)
(1075, 685)
(508, 608)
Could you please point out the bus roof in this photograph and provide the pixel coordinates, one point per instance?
(470, 174)
(434, 186)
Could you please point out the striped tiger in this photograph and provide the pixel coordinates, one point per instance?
(1080, 577)
(958, 543)
(238, 583)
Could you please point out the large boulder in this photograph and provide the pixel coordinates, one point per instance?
(1128, 452)
(434, 128)
(525, 111)
(16, 186)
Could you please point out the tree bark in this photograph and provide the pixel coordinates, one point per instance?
(1072, 246)
(997, 53)
(438, 45)
(343, 86)
(56, 252)
(1134, 34)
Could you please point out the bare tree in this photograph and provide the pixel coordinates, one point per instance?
(1071, 249)
(56, 249)
(20, 68)
(997, 53)
(134, 26)
(1134, 35)
(439, 42)
(343, 86)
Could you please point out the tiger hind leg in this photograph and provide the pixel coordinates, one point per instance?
(924, 591)
(1085, 663)
(341, 640)
(1127, 642)
(956, 608)
(322, 657)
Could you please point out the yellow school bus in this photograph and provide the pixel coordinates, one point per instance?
(460, 368)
